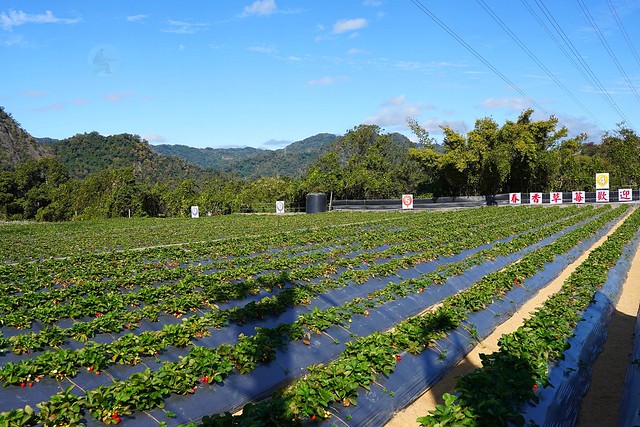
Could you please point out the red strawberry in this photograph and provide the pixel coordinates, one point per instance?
(535, 386)
(398, 358)
(90, 368)
(30, 384)
(313, 417)
(22, 384)
(98, 314)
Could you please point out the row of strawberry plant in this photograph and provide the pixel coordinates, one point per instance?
(171, 367)
(130, 349)
(376, 354)
(111, 318)
(509, 377)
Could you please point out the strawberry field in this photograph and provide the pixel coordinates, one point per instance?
(339, 318)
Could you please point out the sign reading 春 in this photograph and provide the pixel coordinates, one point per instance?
(515, 198)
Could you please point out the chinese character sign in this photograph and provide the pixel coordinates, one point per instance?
(555, 198)
(625, 195)
(535, 198)
(577, 197)
(280, 207)
(602, 196)
(195, 212)
(515, 198)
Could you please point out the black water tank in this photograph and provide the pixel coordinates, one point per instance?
(316, 202)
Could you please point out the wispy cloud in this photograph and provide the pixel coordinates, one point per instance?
(275, 143)
(16, 18)
(263, 49)
(136, 18)
(326, 80)
(261, 8)
(347, 25)
(184, 27)
(512, 104)
(34, 93)
(118, 96)
(51, 107)
(15, 41)
(394, 112)
(80, 101)
(154, 137)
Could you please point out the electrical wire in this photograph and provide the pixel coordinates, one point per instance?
(531, 55)
(623, 31)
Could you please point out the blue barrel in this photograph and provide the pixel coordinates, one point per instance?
(316, 202)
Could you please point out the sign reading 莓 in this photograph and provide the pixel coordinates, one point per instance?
(577, 197)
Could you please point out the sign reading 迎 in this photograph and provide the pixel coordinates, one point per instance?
(625, 195)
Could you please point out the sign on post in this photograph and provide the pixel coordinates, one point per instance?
(602, 196)
(577, 197)
(407, 201)
(280, 207)
(602, 181)
(625, 195)
(535, 198)
(555, 198)
(195, 212)
(515, 198)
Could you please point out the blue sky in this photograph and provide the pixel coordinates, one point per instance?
(264, 73)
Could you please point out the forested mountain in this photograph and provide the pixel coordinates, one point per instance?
(292, 160)
(16, 145)
(84, 154)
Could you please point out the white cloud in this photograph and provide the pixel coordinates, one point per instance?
(274, 143)
(372, 3)
(51, 107)
(17, 40)
(394, 112)
(17, 18)
(118, 96)
(263, 49)
(261, 7)
(326, 80)
(34, 93)
(346, 25)
(80, 101)
(154, 137)
(184, 27)
(511, 104)
(136, 18)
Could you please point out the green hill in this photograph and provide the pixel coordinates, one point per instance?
(16, 145)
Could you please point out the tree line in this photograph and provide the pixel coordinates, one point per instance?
(366, 163)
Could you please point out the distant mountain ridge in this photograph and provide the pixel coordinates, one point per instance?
(248, 162)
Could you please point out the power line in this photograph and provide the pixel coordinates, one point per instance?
(531, 55)
(604, 42)
(624, 32)
(574, 56)
(459, 39)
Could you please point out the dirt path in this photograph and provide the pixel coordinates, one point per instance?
(601, 403)
(426, 402)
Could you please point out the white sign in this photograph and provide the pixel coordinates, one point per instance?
(535, 198)
(602, 181)
(515, 198)
(195, 212)
(280, 207)
(625, 195)
(577, 197)
(602, 196)
(555, 198)
(407, 201)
